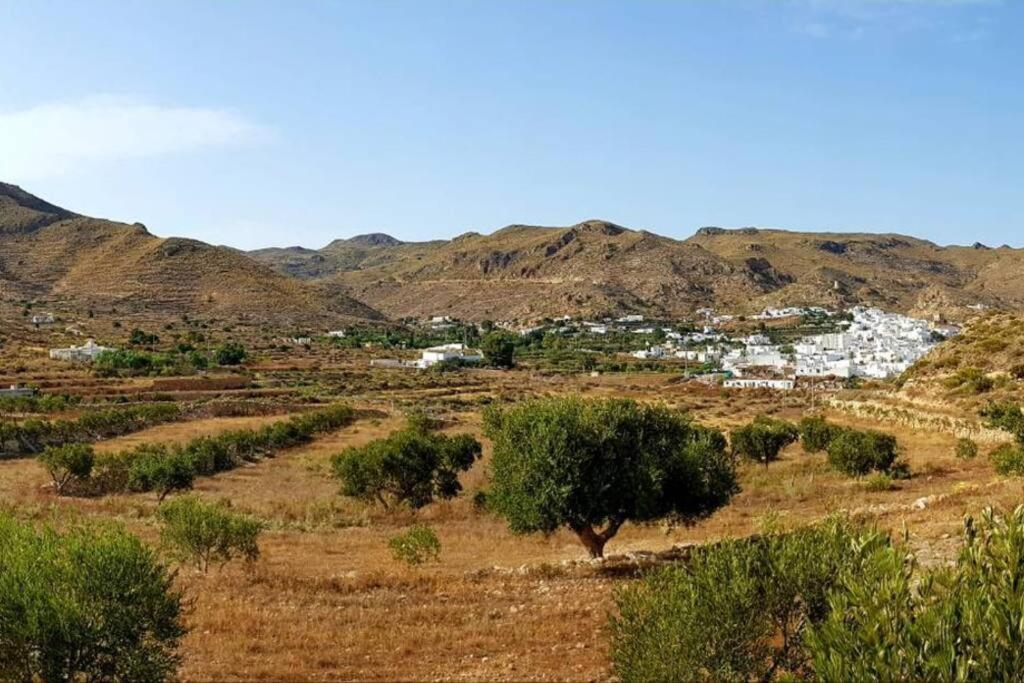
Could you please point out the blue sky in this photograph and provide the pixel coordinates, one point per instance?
(278, 123)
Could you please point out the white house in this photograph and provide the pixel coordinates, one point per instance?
(336, 333)
(759, 383)
(43, 319)
(85, 353)
(447, 352)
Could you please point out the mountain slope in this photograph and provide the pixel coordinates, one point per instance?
(50, 253)
(595, 267)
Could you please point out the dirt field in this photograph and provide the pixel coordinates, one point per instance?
(326, 601)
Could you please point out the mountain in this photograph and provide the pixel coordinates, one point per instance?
(52, 254)
(596, 267)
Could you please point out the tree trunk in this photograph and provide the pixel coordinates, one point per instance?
(594, 541)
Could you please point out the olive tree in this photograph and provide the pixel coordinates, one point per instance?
(592, 465)
(67, 463)
(90, 603)
(499, 349)
(763, 439)
(412, 466)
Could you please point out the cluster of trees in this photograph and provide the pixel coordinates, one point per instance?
(85, 604)
(182, 360)
(854, 452)
(413, 466)
(32, 436)
(167, 468)
(833, 602)
(592, 465)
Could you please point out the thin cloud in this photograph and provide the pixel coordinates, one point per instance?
(59, 138)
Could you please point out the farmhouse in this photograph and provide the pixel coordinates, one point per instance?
(85, 353)
(447, 352)
(17, 391)
(43, 319)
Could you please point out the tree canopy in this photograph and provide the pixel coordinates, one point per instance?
(592, 465)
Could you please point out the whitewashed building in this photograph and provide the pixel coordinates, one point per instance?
(759, 383)
(447, 352)
(86, 353)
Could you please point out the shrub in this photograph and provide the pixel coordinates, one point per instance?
(231, 353)
(816, 433)
(416, 546)
(966, 449)
(972, 380)
(879, 482)
(204, 532)
(737, 610)
(589, 464)
(1008, 459)
(157, 468)
(67, 464)
(762, 439)
(856, 453)
(410, 466)
(950, 624)
(87, 604)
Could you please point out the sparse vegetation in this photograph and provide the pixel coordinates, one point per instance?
(966, 449)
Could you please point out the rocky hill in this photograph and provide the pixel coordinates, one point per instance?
(596, 267)
(49, 253)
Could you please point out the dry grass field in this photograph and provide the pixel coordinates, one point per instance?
(326, 601)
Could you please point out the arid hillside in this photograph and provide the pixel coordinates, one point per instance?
(595, 267)
(60, 257)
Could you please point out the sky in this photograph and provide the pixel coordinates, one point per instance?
(283, 123)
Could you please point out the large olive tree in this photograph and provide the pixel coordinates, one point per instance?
(592, 465)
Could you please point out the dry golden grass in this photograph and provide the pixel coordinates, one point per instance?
(326, 601)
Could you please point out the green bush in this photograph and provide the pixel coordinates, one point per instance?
(154, 467)
(87, 604)
(416, 546)
(737, 610)
(856, 453)
(972, 380)
(879, 482)
(587, 464)
(964, 623)
(410, 466)
(499, 349)
(816, 433)
(1008, 459)
(67, 464)
(966, 449)
(763, 439)
(231, 353)
(203, 532)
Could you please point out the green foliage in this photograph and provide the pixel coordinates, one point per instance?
(816, 433)
(129, 362)
(966, 449)
(154, 467)
(583, 464)
(203, 532)
(763, 439)
(410, 466)
(139, 337)
(417, 545)
(33, 435)
(972, 380)
(499, 349)
(858, 452)
(88, 604)
(44, 403)
(964, 623)
(879, 482)
(68, 463)
(737, 610)
(1008, 459)
(231, 353)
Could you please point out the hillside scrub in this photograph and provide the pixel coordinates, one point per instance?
(166, 468)
(412, 466)
(592, 465)
(763, 439)
(34, 435)
(90, 603)
(1008, 459)
(67, 464)
(738, 610)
